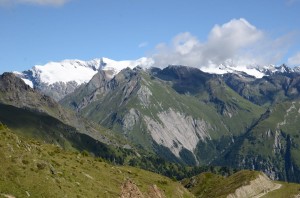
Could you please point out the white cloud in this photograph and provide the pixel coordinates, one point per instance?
(143, 44)
(237, 42)
(294, 60)
(34, 2)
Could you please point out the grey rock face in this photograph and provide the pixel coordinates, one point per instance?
(18, 94)
(130, 120)
(144, 95)
(58, 90)
(176, 131)
(97, 86)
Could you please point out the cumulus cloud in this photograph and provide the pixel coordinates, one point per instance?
(294, 60)
(34, 2)
(237, 42)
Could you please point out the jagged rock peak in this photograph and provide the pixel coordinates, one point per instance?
(9, 81)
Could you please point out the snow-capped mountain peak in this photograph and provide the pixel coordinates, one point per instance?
(223, 69)
(107, 64)
(77, 70)
(62, 78)
(65, 71)
(254, 70)
(57, 79)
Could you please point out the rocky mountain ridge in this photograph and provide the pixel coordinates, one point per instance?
(57, 79)
(189, 116)
(40, 117)
(36, 115)
(133, 103)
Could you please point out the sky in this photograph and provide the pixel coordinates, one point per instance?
(189, 32)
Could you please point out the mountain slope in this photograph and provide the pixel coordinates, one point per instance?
(38, 116)
(272, 145)
(162, 111)
(267, 90)
(31, 168)
(14, 92)
(188, 116)
(48, 129)
(242, 184)
(84, 93)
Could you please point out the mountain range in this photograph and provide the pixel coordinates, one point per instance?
(52, 80)
(192, 117)
(130, 112)
(181, 113)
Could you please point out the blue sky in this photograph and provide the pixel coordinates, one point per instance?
(170, 31)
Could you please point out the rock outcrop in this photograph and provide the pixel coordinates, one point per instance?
(257, 188)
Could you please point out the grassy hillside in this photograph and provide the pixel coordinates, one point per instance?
(35, 169)
(241, 184)
(31, 168)
(47, 129)
(212, 185)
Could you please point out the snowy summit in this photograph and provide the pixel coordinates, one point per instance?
(76, 70)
